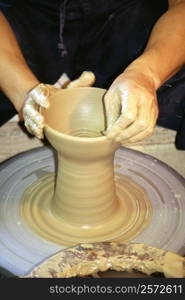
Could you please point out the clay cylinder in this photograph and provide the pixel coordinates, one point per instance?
(84, 190)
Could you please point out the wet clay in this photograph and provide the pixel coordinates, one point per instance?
(85, 201)
(110, 259)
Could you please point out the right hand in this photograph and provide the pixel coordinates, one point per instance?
(38, 97)
(131, 108)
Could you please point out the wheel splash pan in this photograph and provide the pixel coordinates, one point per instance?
(21, 249)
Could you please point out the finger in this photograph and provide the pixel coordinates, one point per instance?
(29, 102)
(34, 129)
(145, 119)
(128, 114)
(131, 131)
(62, 82)
(29, 112)
(40, 95)
(123, 122)
(147, 132)
(112, 108)
(139, 137)
(85, 79)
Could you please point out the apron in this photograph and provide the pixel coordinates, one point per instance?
(103, 36)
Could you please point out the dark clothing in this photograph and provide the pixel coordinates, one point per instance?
(103, 36)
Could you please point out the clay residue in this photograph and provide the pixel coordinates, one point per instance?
(130, 218)
(84, 260)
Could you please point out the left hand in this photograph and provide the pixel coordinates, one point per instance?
(131, 108)
(38, 97)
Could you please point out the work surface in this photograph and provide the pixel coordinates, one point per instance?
(14, 140)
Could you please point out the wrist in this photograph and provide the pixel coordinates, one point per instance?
(142, 69)
(20, 94)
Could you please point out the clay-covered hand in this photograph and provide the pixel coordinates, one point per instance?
(38, 98)
(131, 108)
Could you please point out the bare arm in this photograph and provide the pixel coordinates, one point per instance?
(165, 52)
(16, 79)
(135, 89)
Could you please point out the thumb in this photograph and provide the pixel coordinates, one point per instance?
(112, 108)
(62, 81)
(86, 79)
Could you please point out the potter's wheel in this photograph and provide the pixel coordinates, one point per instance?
(21, 249)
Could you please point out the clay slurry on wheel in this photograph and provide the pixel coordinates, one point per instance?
(21, 249)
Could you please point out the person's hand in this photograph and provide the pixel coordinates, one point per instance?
(38, 97)
(131, 108)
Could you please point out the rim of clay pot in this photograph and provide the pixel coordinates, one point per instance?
(69, 137)
(76, 138)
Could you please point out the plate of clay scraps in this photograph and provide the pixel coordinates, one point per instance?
(22, 249)
(111, 259)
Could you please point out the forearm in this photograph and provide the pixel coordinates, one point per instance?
(165, 52)
(16, 79)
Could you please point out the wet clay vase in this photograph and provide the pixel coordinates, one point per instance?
(85, 194)
(84, 205)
